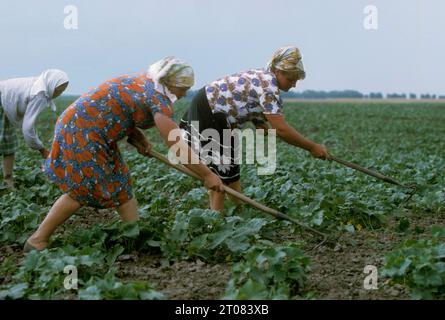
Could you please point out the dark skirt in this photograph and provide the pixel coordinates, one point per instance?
(199, 111)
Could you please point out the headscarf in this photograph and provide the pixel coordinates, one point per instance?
(47, 82)
(288, 59)
(171, 71)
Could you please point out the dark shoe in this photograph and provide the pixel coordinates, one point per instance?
(29, 247)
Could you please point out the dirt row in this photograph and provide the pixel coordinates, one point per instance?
(337, 270)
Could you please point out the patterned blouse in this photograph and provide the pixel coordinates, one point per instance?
(245, 96)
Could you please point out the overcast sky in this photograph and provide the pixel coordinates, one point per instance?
(218, 37)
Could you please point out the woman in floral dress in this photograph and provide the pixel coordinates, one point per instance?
(85, 161)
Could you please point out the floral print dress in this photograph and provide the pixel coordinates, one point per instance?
(85, 161)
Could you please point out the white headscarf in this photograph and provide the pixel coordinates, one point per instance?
(47, 82)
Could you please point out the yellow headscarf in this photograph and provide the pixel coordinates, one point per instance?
(288, 59)
(173, 72)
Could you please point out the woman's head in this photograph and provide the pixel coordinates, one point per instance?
(59, 89)
(287, 65)
(51, 82)
(173, 73)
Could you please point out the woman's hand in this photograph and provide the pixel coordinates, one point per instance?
(264, 126)
(319, 151)
(144, 147)
(213, 182)
(44, 153)
(138, 140)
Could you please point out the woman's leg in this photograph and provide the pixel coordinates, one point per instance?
(237, 187)
(129, 210)
(8, 166)
(217, 198)
(61, 210)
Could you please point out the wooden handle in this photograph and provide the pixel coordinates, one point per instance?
(232, 192)
(375, 174)
(237, 195)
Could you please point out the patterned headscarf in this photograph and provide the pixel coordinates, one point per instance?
(173, 72)
(288, 59)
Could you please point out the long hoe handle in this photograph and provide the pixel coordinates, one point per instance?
(238, 195)
(375, 174)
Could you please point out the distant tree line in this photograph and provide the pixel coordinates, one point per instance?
(346, 94)
(352, 94)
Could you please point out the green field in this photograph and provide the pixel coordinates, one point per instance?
(181, 250)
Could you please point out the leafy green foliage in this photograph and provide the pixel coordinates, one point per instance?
(420, 265)
(18, 216)
(42, 276)
(268, 272)
(110, 288)
(205, 234)
(403, 141)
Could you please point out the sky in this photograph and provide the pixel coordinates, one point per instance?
(219, 37)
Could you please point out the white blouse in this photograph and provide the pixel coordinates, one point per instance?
(22, 110)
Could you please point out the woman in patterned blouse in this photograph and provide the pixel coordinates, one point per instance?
(253, 95)
(85, 161)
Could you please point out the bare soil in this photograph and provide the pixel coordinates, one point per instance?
(337, 269)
